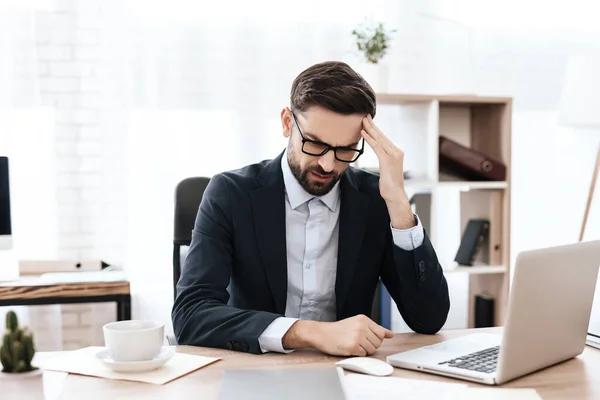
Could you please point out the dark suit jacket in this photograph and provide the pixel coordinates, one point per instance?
(234, 280)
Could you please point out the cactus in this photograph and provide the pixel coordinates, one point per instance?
(17, 349)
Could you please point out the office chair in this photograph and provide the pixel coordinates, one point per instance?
(188, 195)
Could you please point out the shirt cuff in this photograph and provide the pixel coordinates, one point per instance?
(271, 338)
(411, 238)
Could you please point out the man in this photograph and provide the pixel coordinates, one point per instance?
(287, 253)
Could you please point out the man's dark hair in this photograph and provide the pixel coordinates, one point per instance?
(335, 86)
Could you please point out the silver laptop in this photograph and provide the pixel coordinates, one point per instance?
(548, 315)
(282, 383)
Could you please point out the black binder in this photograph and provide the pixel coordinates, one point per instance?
(474, 235)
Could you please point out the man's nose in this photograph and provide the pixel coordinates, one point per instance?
(327, 161)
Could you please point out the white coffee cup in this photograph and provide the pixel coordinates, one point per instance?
(136, 340)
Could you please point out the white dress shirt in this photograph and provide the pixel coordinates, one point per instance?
(311, 228)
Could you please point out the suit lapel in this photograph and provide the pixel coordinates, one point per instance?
(268, 204)
(353, 220)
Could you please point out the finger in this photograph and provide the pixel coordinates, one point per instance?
(373, 143)
(370, 129)
(359, 351)
(379, 331)
(367, 346)
(386, 143)
(374, 130)
(377, 137)
(388, 334)
(374, 339)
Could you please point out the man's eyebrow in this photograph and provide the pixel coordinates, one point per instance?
(316, 139)
(312, 136)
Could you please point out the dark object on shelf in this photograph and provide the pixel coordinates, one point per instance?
(470, 243)
(469, 163)
(484, 311)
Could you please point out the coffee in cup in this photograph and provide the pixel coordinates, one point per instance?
(136, 340)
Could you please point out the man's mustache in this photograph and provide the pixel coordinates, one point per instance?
(321, 172)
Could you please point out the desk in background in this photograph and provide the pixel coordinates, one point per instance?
(30, 291)
(577, 378)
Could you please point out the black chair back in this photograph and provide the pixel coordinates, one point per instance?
(188, 195)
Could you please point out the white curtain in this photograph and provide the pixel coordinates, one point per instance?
(26, 137)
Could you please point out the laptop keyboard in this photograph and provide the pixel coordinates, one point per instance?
(481, 361)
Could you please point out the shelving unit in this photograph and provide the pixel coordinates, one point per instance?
(446, 201)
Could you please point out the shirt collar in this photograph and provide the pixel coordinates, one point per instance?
(298, 196)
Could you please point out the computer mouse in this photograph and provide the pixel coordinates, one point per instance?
(366, 365)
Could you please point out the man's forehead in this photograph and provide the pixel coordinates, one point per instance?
(334, 129)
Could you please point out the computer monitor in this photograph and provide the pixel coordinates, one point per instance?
(5, 223)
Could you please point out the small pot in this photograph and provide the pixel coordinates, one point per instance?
(377, 75)
(23, 385)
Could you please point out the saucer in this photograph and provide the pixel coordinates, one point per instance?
(137, 366)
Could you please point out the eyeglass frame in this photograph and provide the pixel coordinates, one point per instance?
(327, 146)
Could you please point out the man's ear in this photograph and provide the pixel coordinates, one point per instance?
(286, 122)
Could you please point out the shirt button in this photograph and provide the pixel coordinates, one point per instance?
(311, 226)
(308, 266)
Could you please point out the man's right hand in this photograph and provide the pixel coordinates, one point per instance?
(354, 336)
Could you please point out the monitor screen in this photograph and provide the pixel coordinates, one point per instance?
(5, 225)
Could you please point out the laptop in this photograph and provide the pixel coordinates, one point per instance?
(282, 383)
(548, 315)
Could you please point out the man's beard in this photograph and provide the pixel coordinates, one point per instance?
(310, 186)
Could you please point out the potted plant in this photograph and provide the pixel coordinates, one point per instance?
(373, 43)
(16, 354)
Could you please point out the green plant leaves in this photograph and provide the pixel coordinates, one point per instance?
(372, 40)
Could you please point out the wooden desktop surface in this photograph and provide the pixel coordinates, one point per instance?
(69, 289)
(32, 288)
(578, 378)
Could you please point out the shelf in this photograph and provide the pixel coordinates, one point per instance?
(462, 185)
(477, 269)
(423, 184)
(393, 98)
(446, 198)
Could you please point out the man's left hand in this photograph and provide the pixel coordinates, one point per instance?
(391, 175)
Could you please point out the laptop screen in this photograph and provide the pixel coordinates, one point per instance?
(5, 225)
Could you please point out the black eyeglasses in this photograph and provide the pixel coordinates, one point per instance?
(315, 148)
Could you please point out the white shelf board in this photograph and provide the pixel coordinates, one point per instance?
(420, 183)
(477, 269)
(461, 185)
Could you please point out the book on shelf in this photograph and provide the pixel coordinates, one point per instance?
(470, 163)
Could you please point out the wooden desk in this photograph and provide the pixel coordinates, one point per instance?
(578, 378)
(38, 291)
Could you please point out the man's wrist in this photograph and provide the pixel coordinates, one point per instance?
(301, 335)
(401, 214)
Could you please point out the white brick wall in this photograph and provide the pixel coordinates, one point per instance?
(69, 326)
(67, 41)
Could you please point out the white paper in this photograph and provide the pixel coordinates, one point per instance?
(53, 384)
(365, 387)
(84, 362)
(475, 393)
